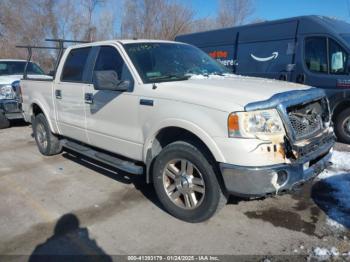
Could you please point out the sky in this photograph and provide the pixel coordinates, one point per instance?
(276, 9)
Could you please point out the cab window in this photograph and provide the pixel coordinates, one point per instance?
(75, 64)
(109, 59)
(316, 54)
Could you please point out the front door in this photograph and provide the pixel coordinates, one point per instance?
(112, 116)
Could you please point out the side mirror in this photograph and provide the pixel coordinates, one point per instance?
(108, 80)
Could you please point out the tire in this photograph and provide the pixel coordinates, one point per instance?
(193, 196)
(48, 144)
(342, 126)
(4, 122)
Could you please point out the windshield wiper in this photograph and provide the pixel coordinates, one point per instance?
(169, 77)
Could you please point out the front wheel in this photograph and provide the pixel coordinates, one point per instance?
(186, 184)
(342, 126)
(48, 144)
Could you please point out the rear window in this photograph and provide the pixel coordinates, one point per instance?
(110, 59)
(17, 68)
(75, 63)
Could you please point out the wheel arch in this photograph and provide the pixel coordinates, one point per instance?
(172, 132)
(35, 109)
(338, 108)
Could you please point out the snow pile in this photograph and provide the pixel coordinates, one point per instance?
(338, 177)
(341, 160)
(340, 182)
(334, 224)
(323, 254)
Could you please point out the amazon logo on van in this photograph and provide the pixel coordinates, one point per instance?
(265, 59)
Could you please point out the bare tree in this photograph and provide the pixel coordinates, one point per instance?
(50, 9)
(176, 20)
(16, 28)
(31, 21)
(106, 25)
(90, 7)
(234, 12)
(203, 24)
(158, 19)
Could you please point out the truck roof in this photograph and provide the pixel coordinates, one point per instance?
(121, 41)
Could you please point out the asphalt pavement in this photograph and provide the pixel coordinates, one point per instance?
(68, 204)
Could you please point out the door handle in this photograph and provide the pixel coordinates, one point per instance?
(58, 94)
(89, 98)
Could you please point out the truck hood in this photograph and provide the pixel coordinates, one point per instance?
(225, 93)
(9, 79)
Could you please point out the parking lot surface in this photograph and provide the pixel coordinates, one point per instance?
(66, 204)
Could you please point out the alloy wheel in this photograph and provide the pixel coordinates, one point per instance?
(184, 184)
(41, 136)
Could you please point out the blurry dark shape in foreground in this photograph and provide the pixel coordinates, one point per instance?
(70, 242)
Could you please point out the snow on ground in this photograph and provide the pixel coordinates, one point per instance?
(338, 178)
(341, 160)
(325, 254)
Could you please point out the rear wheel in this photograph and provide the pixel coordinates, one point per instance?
(4, 122)
(186, 184)
(48, 144)
(342, 126)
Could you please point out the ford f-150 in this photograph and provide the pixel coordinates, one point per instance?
(168, 111)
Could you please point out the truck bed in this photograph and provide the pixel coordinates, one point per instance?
(40, 92)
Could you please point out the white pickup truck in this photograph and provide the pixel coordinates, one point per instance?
(169, 112)
(11, 71)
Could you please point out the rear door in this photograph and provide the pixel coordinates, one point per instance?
(69, 95)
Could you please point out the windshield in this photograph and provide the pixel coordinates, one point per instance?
(161, 62)
(17, 68)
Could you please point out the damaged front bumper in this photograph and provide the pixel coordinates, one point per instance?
(261, 181)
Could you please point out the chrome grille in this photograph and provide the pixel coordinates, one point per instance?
(305, 126)
(307, 120)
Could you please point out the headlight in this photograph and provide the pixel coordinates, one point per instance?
(254, 124)
(7, 92)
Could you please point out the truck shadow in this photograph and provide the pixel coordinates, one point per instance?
(137, 180)
(331, 194)
(69, 242)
